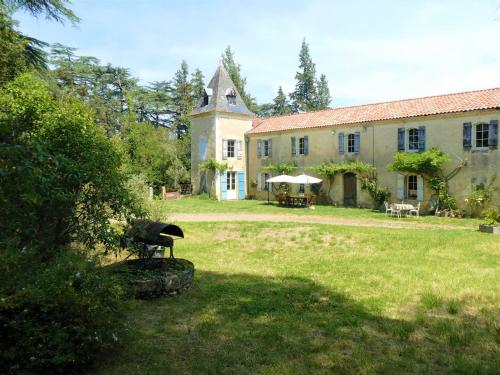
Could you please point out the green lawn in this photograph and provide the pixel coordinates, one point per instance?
(201, 204)
(281, 298)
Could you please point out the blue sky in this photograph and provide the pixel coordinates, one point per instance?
(370, 51)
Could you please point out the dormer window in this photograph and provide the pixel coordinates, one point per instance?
(205, 100)
(231, 96)
(206, 96)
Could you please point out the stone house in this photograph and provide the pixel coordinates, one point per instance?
(463, 125)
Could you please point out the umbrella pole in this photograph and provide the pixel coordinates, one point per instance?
(268, 192)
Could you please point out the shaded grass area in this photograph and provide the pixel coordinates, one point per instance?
(201, 204)
(288, 299)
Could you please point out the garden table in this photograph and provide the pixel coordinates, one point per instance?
(405, 208)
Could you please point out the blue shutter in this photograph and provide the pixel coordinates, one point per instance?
(341, 143)
(241, 185)
(400, 187)
(224, 149)
(259, 148)
(401, 139)
(239, 150)
(467, 135)
(306, 145)
(357, 139)
(421, 138)
(269, 148)
(420, 188)
(294, 146)
(493, 135)
(223, 186)
(202, 148)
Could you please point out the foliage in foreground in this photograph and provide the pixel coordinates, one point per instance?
(61, 184)
(60, 176)
(58, 316)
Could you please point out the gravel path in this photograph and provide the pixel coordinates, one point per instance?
(277, 218)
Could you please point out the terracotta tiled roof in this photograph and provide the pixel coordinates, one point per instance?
(430, 105)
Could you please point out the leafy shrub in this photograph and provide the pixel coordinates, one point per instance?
(61, 183)
(57, 317)
(480, 196)
(491, 216)
(60, 176)
(378, 194)
(438, 184)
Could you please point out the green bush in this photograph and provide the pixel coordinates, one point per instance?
(57, 317)
(378, 194)
(62, 184)
(491, 216)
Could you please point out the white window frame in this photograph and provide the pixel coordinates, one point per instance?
(474, 135)
(233, 142)
(230, 182)
(414, 182)
(415, 140)
(265, 148)
(301, 147)
(351, 141)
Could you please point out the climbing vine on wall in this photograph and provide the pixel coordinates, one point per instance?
(429, 164)
(281, 168)
(366, 173)
(212, 166)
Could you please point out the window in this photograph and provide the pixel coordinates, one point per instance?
(411, 187)
(482, 133)
(302, 188)
(267, 186)
(413, 139)
(231, 181)
(231, 96)
(351, 140)
(302, 146)
(231, 148)
(265, 148)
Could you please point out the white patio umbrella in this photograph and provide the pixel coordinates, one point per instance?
(280, 179)
(305, 179)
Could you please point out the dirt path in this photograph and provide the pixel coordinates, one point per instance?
(276, 218)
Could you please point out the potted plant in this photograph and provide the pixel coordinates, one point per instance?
(491, 221)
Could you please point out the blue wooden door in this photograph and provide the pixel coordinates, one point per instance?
(241, 185)
(223, 186)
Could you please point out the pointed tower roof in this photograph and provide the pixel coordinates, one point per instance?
(222, 96)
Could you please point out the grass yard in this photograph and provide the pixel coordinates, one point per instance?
(201, 205)
(288, 298)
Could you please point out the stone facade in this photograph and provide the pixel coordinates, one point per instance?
(371, 133)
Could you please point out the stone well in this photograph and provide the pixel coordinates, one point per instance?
(157, 277)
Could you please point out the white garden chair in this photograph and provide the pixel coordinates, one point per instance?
(415, 210)
(388, 208)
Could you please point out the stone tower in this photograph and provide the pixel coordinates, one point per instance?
(218, 126)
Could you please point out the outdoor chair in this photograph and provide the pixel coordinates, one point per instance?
(388, 208)
(395, 211)
(312, 200)
(415, 210)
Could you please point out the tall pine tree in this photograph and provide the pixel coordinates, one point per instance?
(198, 85)
(234, 71)
(323, 98)
(182, 101)
(304, 96)
(281, 106)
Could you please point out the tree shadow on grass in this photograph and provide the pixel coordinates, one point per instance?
(246, 324)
